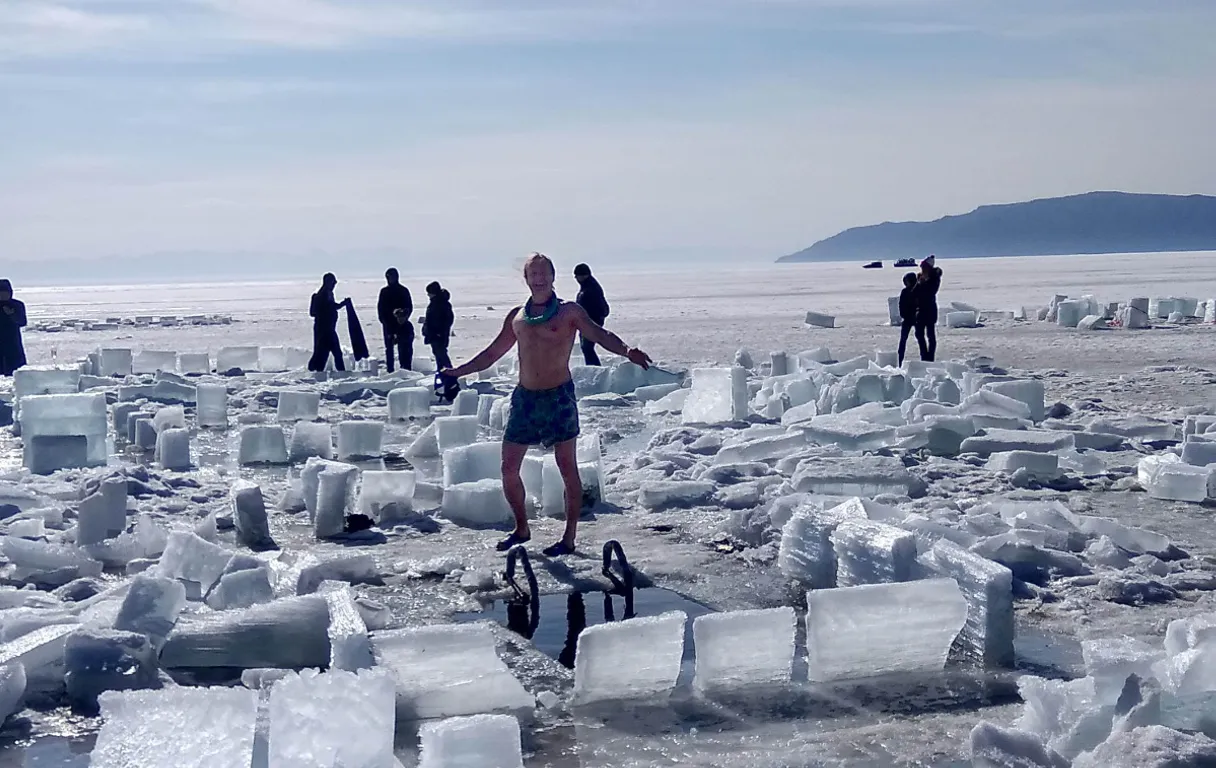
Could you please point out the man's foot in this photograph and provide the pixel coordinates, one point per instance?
(558, 549)
(512, 540)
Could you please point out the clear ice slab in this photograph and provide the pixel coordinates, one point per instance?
(744, 648)
(609, 666)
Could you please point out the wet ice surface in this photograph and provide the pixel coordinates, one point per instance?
(922, 722)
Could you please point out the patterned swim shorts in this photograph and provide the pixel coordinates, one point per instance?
(542, 417)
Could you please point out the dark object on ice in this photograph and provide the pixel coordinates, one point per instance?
(1134, 590)
(80, 589)
(394, 309)
(446, 387)
(12, 320)
(523, 609)
(6, 414)
(1059, 411)
(437, 325)
(357, 522)
(323, 310)
(905, 263)
(358, 344)
(872, 265)
(591, 299)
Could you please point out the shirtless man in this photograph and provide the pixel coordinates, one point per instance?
(544, 410)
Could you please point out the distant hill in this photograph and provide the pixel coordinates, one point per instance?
(1096, 222)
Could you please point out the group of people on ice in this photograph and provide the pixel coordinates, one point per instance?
(918, 309)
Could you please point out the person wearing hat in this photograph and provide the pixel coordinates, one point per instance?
(12, 320)
(591, 299)
(437, 324)
(927, 285)
(323, 309)
(394, 309)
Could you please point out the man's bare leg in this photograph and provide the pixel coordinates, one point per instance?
(513, 487)
(566, 454)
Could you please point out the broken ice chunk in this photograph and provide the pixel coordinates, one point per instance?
(875, 629)
(1152, 746)
(1041, 466)
(988, 634)
(872, 553)
(471, 463)
(337, 718)
(476, 504)
(189, 558)
(12, 689)
(1110, 661)
(1136, 540)
(484, 741)
(99, 660)
(718, 396)
(241, 589)
(447, 670)
(352, 569)
(349, 646)
(40, 652)
(335, 492)
(607, 665)
(151, 607)
(455, 431)
(249, 515)
(998, 440)
(861, 476)
(665, 494)
(995, 747)
(1181, 482)
(176, 728)
(768, 636)
(291, 633)
(386, 495)
(847, 431)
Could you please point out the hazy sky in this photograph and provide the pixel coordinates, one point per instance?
(597, 129)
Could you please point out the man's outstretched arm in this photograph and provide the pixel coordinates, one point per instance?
(492, 354)
(607, 339)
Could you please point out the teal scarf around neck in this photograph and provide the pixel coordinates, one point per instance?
(546, 312)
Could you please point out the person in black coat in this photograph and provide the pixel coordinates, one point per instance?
(437, 326)
(907, 313)
(591, 299)
(323, 309)
(12, 320)
(927, 285)
(394, 309)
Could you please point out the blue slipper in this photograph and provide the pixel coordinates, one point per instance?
(557, 550)
(512, 541)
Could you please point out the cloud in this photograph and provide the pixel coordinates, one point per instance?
(35, 28)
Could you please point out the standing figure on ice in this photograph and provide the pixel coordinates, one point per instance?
(927, 285)
(544, 410)
(394, 309)
(437, 325)
(907, 313)
(323, 310)
(591, 299)
(12, 320)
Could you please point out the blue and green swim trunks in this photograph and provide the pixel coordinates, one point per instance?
(542, 417)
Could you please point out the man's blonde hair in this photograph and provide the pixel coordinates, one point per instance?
(542, 258)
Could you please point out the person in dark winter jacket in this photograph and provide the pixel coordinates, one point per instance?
(437, 326)
(591, 299)
(394, 309)
(323, 309)
(927, 285)
(12, 320)
(907, 313)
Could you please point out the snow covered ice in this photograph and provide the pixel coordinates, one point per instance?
(608, 664)
(484, 741)
(743, 648)
(877, 629)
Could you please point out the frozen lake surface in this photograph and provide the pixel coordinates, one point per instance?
(685, 319)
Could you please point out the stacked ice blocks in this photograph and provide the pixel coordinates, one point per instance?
(806, 552)
(744, 648)
(877, 629)
(448, 670)
(638, 658)
(63, 431)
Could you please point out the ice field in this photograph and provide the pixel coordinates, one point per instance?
(1002, 559)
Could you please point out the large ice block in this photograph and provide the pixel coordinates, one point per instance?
(806, 553)
(211, 410)
(360, 439)
(386, 495)
(272, 359)
(173, 449)
(1000, 440)
(289, 633)
(236, 358)
(408, 403)
(67, 415)
(718, 396)
(40, 653)
(484, 741)
(30, 557)
(1111, 660)
(116, 362)
(476, 504)
(868, 552)
(193, 363)
(262, 444)
(1028, 391)
(609, 666)
(176, 728)
(151, 361)
(465, 403)
(352, 569)
(249, 515)
(988, 588)
(720, 640)
(242, 589)
(98, 660)
(335, 492)
(310, 481)
(845, 430)
(864, 476)
(455, 431)
(190, 558)
(448, 670)
(349, 646)
(995, 747)
(877, 629)
(311, 440)
(297, 405)
(1182, 482)
(470, 463)
(336, 718)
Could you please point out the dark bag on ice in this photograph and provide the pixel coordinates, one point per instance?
(358, 344)
(446, 387)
